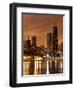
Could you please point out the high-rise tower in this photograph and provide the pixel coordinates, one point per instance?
(34, 41)
(55, 41)
(49, 41)
(28, 42)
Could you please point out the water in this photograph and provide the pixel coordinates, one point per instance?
(37, 67)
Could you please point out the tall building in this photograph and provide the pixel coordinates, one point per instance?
(60, 47)
(34, 41)
(49, 41)
(28, 42)
(55, 41)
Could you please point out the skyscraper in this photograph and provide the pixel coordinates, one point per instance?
(34, 41)
(28, 42)
(55, 41)
(49, 41)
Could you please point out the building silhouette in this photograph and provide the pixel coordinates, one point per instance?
(28, 42)
(55, 41)
(34, 41)
(49, 41)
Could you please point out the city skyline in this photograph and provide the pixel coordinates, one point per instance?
(50, 37)
(40, 25)
(43, 51)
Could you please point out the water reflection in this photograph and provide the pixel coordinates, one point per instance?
(42, 66)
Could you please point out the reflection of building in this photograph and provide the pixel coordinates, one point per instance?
(34, 41)
(40, 59)
(55, 41)
(49, 41)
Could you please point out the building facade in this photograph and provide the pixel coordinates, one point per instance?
(34, 41)
(49, 41)
(55, 41)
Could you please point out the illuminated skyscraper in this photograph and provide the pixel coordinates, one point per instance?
(34, 41)
(55, 41)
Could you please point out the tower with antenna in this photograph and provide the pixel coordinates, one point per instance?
(55, 38)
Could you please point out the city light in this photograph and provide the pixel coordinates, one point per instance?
(43, 55)
(26, 57)
(38, 58)
(47, 55)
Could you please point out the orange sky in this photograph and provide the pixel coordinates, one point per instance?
(40, 25)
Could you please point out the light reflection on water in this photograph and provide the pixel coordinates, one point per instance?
(35, 67)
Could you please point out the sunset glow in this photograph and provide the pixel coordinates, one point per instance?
(40, 25)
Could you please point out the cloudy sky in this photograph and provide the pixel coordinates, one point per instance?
(40, 25)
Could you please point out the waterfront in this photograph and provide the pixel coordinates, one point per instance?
(38, 65)
(42, 44)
